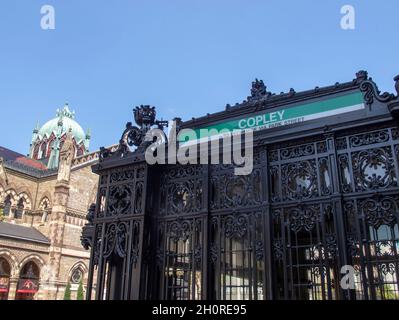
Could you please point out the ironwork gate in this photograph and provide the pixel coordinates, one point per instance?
(368, 166)
(311, 208)
(304, 221)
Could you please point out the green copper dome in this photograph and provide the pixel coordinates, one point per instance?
(68, 123)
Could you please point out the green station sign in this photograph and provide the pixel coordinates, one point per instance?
(280, 118)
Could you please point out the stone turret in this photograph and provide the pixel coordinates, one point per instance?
(47, 141)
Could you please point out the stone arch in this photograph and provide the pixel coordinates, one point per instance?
(27, 198)
(30, 273)
(44, 207)
(13, 196)
(81, 264)
(33, 257)
(24, 189)
(45, 199)
(12, 260)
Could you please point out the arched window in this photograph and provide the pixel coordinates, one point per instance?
(45, 208)
(28, 284)
(20, 209)
(5, 272)
(40, 152)
(77, 275)
(7, 206)
(45, 214)
(43, 150)
(50, 146)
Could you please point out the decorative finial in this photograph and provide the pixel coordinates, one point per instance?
(88, 134)
(144, 115)
(37, 128)
(258, 90)
(361, 76)
(397, 84)
(65, 112)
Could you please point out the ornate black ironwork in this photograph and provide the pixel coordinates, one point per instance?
(258, 90)
(319, 197)
(134, 136)
(380, 211)
(370, 89)
(88, 232)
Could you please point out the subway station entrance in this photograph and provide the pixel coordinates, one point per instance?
(321, 204)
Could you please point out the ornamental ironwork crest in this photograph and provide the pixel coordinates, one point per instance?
(135, 136)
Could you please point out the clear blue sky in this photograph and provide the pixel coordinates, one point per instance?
(185, 57)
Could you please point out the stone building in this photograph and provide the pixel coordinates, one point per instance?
(44, 198)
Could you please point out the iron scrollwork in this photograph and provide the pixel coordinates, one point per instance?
(331, 245)
(214, 253)
(97, 244)
(120, 200)
(180, 230)
(374, 168)
(304, 218)
(115, 239)
(370, 89)
(259, 255)
(380, 211)
(299, 180)
(278, 249)
(236, 226)
(135, 136)
(181, 191)
(230, 191)
(368, 138)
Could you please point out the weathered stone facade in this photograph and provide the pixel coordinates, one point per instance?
(42, 212)
(57, 209)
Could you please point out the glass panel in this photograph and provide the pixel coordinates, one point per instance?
(241, 261)
(7, 206)
(183, 276)
(20, 209)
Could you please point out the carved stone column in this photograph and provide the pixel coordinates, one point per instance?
(12, 291)
(58, 215)
(57, 226)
